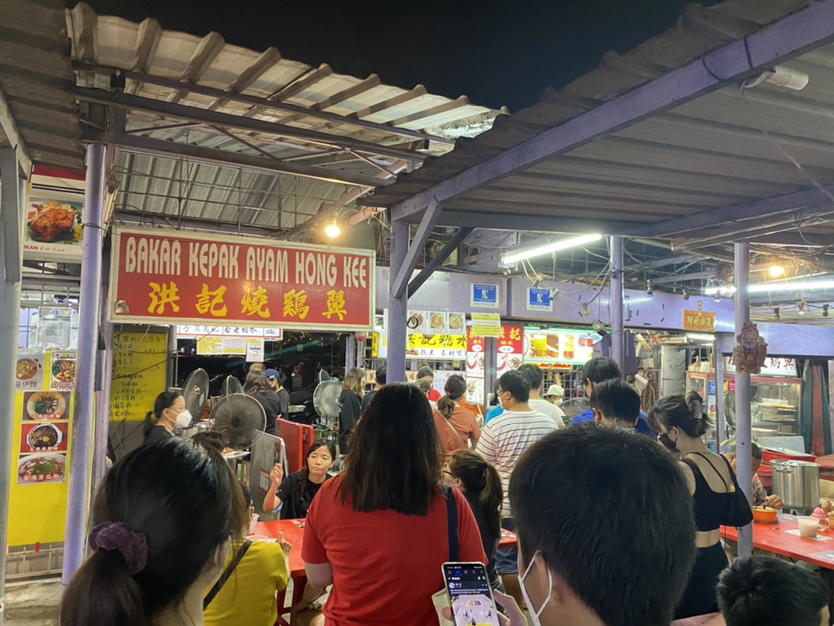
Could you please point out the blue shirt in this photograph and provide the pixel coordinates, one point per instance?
(641, 427)
(495, 412)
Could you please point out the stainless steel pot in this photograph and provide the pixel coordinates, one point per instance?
(797, 483)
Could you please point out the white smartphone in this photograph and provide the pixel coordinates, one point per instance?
(470, 595)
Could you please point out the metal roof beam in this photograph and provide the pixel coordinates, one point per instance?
(737, 213)
(516, 222)
(437, 260)
(301, 111)
(148, 145)
(792, 35)
(10, 134)
(216, 118)
(399, 283)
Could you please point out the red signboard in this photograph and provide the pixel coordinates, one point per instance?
(158, 277)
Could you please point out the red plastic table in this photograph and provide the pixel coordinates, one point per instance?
(293, 531)
(773, 538)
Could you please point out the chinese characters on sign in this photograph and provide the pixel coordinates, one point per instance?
(161, 278)
(699, 321)
(139, 363)
(436, 346)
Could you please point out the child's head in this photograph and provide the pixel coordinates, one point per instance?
(763, 590)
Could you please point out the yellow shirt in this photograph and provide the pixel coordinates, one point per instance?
(248, 597)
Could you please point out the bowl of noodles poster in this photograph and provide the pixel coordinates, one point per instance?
(40, 469)
(46, 406)
(44, 437)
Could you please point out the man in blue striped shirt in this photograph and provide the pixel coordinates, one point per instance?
(502, 443)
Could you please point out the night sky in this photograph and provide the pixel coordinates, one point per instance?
(497, 53)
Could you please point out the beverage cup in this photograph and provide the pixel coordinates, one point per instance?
(808, 527)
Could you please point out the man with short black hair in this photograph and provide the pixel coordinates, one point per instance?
(380, 376)
(502, 443)
(536, 402)
(600, 369)
(615, 403)
(760, 590)
(576, 569)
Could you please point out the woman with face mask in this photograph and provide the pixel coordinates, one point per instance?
(169, 413)
(717, 499)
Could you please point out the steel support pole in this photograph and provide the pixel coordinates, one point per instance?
(104, 380)
(11, 251)
(78, 499)
(397, 305)
(490, 369)
(744, 458)
(350, 351)
(616, 302)
(720, 420)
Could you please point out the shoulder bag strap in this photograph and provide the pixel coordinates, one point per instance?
(452, 515)
(463, 441)
(226, 573)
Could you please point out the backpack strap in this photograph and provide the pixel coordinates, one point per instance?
(226, 574)
(452, 515)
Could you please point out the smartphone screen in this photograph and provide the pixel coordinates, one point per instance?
(470, 595)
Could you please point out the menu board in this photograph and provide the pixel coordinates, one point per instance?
(53, 228)
(510, 352)
(432, 335)
(139, 364)
(554, 345)
(41, 449)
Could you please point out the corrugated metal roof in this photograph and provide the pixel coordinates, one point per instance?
(708, 153)
(208, 74)
(35, 75)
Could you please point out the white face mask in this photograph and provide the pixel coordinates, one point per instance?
(534, 614)
(184, 419)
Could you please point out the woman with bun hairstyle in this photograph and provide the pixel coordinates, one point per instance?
(717, 498)
(168, 413)
(161, 526)
(480, 484)
(456, 425)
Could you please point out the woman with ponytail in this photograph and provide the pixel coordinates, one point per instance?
(481, 486)
(457, 426)
(161, 524)
(718, 500)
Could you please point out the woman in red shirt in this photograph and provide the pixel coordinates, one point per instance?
(379, 531)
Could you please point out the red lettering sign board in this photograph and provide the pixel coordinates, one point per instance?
(163, 278)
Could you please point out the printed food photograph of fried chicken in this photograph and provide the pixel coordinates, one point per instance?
(54, 222)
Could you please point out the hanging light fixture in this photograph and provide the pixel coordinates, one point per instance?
(553, 246)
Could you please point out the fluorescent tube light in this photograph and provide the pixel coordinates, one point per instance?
(553, 246)
(782, 285)
(700, 337)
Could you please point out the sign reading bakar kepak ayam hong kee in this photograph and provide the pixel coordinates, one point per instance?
(159, 277)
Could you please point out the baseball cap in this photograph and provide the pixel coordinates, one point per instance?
(555, 390)
(271, 373)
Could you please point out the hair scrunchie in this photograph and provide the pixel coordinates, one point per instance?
(133, 546)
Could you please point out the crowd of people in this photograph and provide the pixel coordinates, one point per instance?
(613, 527)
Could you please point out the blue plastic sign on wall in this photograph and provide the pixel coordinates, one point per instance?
(484, 296)
(539, 299)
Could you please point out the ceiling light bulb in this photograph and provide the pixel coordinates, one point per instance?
(775, 271)
(332, 230)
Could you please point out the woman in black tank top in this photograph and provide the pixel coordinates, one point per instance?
(717, 499)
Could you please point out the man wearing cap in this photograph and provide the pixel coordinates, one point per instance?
(273, 376)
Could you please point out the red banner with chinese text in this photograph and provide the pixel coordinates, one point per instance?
(239, 281)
